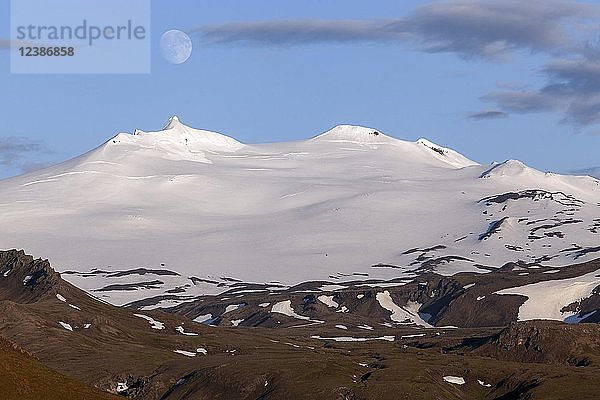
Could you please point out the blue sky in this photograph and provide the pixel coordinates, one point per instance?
(476, 76)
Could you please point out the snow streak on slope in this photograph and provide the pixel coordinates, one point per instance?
(182, 212)
(399, 314)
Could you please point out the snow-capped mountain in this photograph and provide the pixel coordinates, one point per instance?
(194, 212)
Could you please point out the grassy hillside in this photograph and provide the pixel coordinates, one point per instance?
(24, 377)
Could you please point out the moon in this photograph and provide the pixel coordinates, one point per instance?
(175, 46)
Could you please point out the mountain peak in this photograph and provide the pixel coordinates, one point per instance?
(174, 122)
(509, 168)
(26, 279)
(178, 141)
(353, 133)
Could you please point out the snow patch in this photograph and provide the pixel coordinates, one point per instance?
(285, 308)
(412, 336)
(407, 314)
(354, 339)
(233, 307)
(331, 288)
(181, 330)
(66, 326)
(457, 380)
(328, 301)
(185, 353)
(155, 324)
(202, 319)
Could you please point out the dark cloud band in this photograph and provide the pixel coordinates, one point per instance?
(16, 152)
(485, 29)
(490, 30)
(489, 114)
(295, 33)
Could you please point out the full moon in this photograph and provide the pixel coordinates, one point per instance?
(175, 46)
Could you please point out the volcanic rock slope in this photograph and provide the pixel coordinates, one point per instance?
(186, 212)
(152, 355)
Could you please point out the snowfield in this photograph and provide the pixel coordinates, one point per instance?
(198, 211)
(546, 299)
